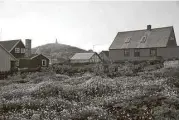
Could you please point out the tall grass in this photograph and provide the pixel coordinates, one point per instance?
(49, 96)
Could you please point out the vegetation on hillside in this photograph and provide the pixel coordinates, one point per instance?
(59, 51)
(149, 93)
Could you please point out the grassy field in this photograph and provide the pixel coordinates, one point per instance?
(148, 94)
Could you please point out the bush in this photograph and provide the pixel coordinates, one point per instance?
(45, 89)
(133, 93)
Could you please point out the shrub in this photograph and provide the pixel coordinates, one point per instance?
(46, 89)
(70, 93)
(89, 113)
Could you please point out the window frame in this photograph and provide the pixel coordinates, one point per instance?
(143, 39)
(128, 39)
(126, 52)
(136, 52)
(17, 63)
(17, 50)
(23, 49)
(153, 49)
(43, 62)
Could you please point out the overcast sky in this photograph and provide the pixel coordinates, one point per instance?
(82, 24)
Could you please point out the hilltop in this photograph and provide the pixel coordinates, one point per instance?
(57, 51)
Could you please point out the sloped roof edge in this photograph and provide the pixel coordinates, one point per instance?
(8, 53)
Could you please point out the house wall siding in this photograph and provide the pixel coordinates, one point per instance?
(5, 60)
(172, 40)
(166, 53)
(117, 55)
(95, 59)
(24, 63)
(37, 61)
(104, 57)
(33, 63)
(80, 61)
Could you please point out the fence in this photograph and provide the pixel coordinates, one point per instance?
(172, 63)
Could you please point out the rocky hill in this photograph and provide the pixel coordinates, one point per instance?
(57, 51)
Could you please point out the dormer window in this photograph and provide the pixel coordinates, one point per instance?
(128, 40)
(143, 39)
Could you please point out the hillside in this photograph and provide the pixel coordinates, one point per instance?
(59, 51)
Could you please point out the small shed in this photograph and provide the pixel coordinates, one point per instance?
(91, 57)
(34, 61)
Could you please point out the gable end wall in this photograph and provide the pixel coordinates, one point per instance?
(172, 43)
(5, 60)
(18, 55)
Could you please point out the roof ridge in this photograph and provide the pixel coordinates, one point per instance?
(11, 40)
(157, 37)
(9, 44)
(145, 29)
(84, 52)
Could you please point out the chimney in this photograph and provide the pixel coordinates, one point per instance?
(149, 27)
(28, 47)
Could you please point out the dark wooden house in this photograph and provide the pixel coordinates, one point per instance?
(15, 47)
(23, 54)
(34, 61)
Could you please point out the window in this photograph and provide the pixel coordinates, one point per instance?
(143, 39)
(136, 52)
(44, 62)
(153, 52)
(22, 50)
(128, 40)
(17, 63)
(126, 53)
(17, 50)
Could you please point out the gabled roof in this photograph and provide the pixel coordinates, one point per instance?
(106, 53)
(10, 44)
(82, 56)
(157, 37)
(36, 55)
(13, 58)
(33, 56)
